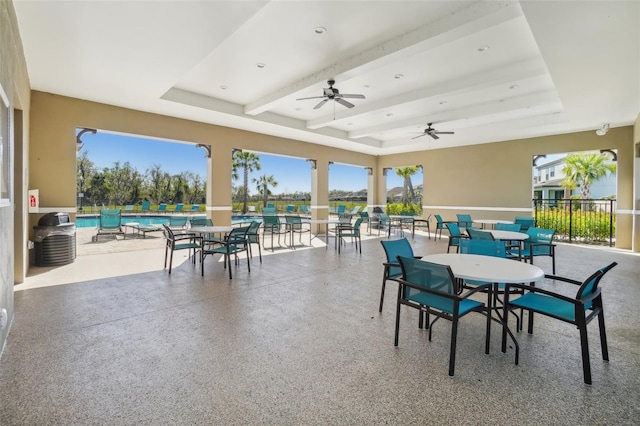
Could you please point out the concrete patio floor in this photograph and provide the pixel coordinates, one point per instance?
(298, 340)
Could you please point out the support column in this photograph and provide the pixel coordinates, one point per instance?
(371, 190)
(319, 189)
(219, 185)
(382, 190)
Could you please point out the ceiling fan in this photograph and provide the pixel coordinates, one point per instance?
(430, 131)
(331, 93)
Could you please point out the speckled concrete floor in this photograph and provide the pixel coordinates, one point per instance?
(299, 340)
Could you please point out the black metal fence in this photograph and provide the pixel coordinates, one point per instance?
(579, 221)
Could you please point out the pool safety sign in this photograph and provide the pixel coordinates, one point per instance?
(34, 200)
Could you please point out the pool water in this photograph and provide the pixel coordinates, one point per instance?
(93, 221)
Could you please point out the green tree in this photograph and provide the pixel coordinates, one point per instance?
(180, 187)
(584, 168)
(85, 169)
(123, 183)
(263, 184)
(197, 188)
(249, 162)
(158, 184)
(408, 194)
(97, 192)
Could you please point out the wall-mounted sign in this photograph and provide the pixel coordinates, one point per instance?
(34, 200)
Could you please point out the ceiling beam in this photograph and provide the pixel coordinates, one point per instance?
(476, 17)
(514, 73)
(527, 105)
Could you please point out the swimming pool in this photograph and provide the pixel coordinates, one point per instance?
(93, 221)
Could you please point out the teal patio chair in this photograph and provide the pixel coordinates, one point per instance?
(432, 289)
(540, 243)
(341, 209)
(441, 224)
(354, 211)
(464, 221)
(162, 208)
(199, 221)
(294, 225)
(208, 239)
(419, 223)
(175, 242)
(110, 223)
(476, 234)
(253, 237)
(271, 224)
(350, 231)
(390, 224)
(269, 211)
(578, 311)
(291, 208)
(366, 219)
(488, 248)
(525, 222)
(513, 227)
(178, 208)
(405, 222)
(177, 222)
(234, 243)
(146, 207)
(195, 208)
(303, 209)
(454, 236)
(392, 271)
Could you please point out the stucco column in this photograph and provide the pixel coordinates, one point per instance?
(381, 190)
(371, 190)
(219, 185)
(320, 190)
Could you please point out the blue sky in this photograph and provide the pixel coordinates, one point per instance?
(292, 174)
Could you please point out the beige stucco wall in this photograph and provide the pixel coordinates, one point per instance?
(495, 180)
(490, 180)
(15, 83)
(52, 168)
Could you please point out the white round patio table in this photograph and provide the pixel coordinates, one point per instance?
(487, 268)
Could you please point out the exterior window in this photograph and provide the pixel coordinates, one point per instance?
(552, 173)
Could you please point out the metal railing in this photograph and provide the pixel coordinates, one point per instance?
(579, 221)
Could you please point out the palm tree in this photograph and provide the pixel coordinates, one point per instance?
(263, 184)
(584, 168)
(249, 162)
(408, 193)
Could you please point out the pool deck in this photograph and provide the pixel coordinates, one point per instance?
(127, 255)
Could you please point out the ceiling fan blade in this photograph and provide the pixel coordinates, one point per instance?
(419, 136)
(353, 96)
(433, 135)
(312, 97)
(343, 102)
(322, 102)
(444, 133)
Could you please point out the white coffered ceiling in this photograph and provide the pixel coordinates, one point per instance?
(490, 70)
